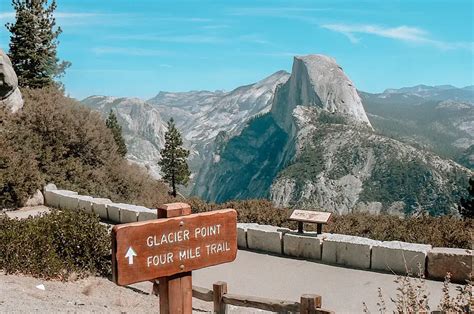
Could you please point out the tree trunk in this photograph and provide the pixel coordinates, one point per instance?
(173, 183)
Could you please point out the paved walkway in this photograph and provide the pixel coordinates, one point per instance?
(342, 289)
(26, 212)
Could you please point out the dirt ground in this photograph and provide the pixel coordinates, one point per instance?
(19, 294)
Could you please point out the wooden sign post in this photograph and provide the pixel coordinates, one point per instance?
(169, 249)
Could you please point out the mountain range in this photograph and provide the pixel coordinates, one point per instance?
(309, 139)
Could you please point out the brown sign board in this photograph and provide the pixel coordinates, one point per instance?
(310, 216)
(151, 249)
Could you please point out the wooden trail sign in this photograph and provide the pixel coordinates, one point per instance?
(147, 250)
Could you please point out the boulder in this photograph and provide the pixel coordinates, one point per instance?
(10, 95)
(130, 213)
(53, 197)
(99, 207)
(347, 250)
(85, 203)
(400, 257)
(306, 245)
(35, 200)
(148, 215)
(442, 260)
(265, 238)
(242, 234)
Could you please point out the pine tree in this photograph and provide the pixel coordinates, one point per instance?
(116, 129)
(173, 159)
(33, 44)
(466, 206)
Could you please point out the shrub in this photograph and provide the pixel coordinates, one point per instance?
(55, 245)
(442, 231)
(55, 139)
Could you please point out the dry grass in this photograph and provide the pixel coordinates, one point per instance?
(413, 297)
(442, 231)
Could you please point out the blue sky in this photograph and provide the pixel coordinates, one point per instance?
(141, 47)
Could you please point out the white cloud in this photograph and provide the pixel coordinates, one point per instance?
(128, 51)
(402, 33)
(193, 39)
(185, 39)
(274, 11)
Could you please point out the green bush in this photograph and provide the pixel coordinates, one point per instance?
(55, 245)
(55, 139)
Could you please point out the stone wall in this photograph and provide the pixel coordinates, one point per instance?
(336, 249)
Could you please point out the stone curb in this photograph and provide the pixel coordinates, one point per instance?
(442, 260)
(357, 252)
(400, 257)
(306, 245)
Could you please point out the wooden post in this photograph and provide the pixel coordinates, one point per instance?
(176, 293)
(309, 303)
(319, 228)
(300, 227)
(219, 289)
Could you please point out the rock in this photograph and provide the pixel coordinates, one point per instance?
(10, 95)
(317, 80)
(400, 257)
(131, 213)
(148, 215)
(85, 203)
(242, 234)
(99, 207)
(397, 209)
(456, 261)
(306, 245)
(49, 187)
(53, 197)
(347, 250)
(370, 207)
(35, 200)
(265, 238)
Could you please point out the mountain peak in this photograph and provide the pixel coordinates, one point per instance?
(317, 81)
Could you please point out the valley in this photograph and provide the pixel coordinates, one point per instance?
(312, 140)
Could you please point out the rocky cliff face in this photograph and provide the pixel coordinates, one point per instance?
(317, 81)
(10, 95)
(345, 169)
(142, 127)
(324, 154)
(201, 115)
(439, 119)
(204, 118)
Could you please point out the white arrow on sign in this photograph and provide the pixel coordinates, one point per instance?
(130, 254)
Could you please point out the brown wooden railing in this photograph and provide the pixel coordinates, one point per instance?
(309, 303)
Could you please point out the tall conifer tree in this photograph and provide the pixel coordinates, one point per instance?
(33, 43)
(173, 159)
(116, 129)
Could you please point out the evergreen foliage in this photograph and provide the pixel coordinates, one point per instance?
(33, 44)
(57, 245)
(173, 159)
(70, 146)
(466, 206)
(116, 129)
